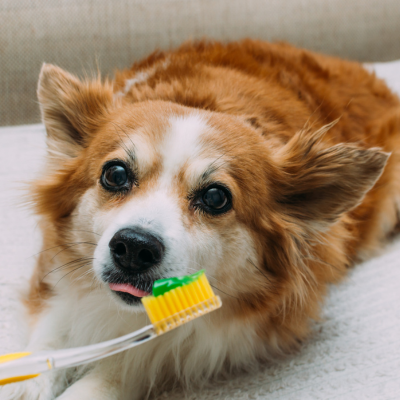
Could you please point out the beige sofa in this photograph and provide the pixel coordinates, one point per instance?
(80, 35)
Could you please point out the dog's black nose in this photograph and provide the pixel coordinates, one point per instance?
(135, 250)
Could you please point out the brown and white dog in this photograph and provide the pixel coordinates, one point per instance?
(266, 165)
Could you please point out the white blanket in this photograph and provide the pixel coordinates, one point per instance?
(354, 352)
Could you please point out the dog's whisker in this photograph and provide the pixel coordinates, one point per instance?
(129, 153)
(63, 244)
(84, 274)
(70, 272)
(258, 269)
(123, 130)
(68, 264)
(72, 245)
(230, 295)
(56, 269)
(83, 230)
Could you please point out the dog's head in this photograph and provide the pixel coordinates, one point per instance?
(164, 190)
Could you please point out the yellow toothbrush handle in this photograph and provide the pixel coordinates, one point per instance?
(11, 357)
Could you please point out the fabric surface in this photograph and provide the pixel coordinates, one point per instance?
(353, 353)
(83, 35)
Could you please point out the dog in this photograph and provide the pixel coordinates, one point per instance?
(273, 168)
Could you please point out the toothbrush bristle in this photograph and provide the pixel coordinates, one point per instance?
(181, 304)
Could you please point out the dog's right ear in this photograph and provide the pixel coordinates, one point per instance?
(71, 110)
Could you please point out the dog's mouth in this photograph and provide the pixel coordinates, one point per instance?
(129, 289)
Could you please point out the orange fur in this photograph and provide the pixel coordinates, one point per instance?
(302, 137)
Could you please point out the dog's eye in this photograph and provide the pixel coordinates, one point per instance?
(115, 177)
(215, 200)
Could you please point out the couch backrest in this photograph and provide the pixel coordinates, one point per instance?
(80, 35)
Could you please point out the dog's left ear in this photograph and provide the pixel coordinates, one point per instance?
(71, 110)
(318, 183)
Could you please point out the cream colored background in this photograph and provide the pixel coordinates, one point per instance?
(80, 34)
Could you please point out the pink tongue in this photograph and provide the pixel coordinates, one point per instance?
(127, 288)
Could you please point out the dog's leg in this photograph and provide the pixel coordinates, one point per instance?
(103, 382)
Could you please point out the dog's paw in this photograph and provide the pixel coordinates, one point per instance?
(41, 388)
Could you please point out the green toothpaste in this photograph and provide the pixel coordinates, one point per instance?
(165, 285)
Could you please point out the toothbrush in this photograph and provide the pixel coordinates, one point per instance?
(174, 302)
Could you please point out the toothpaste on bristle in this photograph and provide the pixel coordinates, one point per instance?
(178, 300)
(174, 302)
